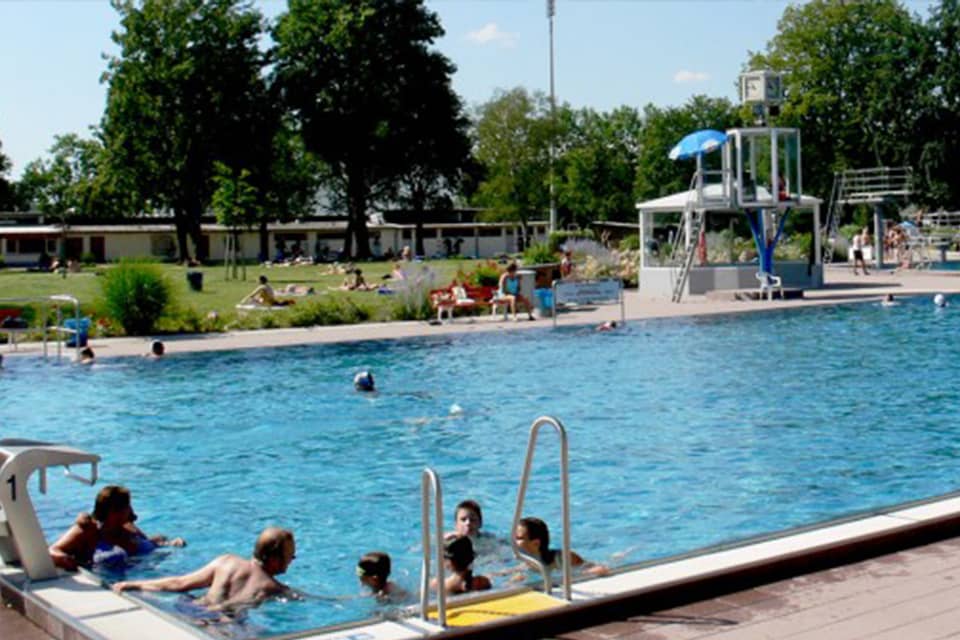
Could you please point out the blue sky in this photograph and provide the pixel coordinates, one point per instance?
(608, 53)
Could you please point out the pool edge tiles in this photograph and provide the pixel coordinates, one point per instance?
(76, 606)
(54, 606)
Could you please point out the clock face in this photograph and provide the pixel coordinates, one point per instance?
(752, 89)
(773, 88)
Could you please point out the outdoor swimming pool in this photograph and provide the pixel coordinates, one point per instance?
(683, 433)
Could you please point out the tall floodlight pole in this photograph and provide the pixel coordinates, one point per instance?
(551, 10)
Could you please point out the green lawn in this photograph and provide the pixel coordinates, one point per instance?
(221, 295)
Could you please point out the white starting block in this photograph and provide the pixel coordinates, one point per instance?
(21, 539)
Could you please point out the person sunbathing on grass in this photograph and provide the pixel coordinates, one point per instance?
(264, 295)
(355, 282)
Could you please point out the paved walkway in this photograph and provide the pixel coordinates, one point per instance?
(842, 287)
(13, 626)
(910, 595)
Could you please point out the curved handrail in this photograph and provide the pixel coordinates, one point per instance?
(564, 505)
(430, 480)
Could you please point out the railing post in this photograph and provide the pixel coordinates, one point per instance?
(430, 480)
(564, 505)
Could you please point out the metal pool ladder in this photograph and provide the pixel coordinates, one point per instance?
(430, 480)
(564, 505)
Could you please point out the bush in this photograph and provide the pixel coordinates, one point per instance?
(539, 253)
(88, 258)
(412, 295)
(558, 238)
(135, 296)
(328, 311)
(486, 274)
(630, 243)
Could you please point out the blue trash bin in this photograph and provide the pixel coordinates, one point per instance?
(544, 302)
(81, 332)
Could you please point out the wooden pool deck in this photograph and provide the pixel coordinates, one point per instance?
(908, 595)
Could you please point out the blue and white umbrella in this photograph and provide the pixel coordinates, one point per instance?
(697, 143)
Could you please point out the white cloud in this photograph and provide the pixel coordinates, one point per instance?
(685, 77)
(490, 33)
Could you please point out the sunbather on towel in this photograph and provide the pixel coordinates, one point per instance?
(265, 296)
(355, 282)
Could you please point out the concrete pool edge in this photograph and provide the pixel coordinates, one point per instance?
(57, 608)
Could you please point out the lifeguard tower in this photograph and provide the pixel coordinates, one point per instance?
(758, 173)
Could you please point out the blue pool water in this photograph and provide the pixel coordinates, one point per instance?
(683, 433)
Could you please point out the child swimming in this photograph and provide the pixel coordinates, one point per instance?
(373, 569)
(533, 537)
(458, 561)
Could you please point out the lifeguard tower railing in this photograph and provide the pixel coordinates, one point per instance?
(863, 186)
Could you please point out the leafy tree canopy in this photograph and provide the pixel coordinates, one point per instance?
(350, 71)
(657, 174)
(851, 75)
(599, 165)
(186, 91)
(512, 144)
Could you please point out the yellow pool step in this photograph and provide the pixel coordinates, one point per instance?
(489, 610)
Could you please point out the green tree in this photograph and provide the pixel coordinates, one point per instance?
(70, 182)
(234, 202)
(8, 195)
(185, 91)
(851, 75)
(600, 166)
(512, 144)
(657, 174)
(937, 156)
(356, 74)
(437, 156)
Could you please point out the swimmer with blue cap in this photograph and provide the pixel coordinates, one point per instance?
(363, 381)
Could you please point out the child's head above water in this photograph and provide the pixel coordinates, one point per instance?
(459, 552)
(468, 518)
(533, 536)
(373, 569)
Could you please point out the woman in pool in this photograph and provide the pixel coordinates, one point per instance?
(109, 536)
(533, 537)
(458, 560)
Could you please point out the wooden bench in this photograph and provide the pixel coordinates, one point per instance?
(447, 300)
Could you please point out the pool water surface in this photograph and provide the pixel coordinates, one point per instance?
(683, 433)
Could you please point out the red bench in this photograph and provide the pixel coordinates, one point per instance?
(447, 300)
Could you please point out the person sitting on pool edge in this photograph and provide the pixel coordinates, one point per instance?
(533, 537)
(265, 296)
(458, 561)
(232, 581)
(108, 535)
(509, 291)
(373, 569)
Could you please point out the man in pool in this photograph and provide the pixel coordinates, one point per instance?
(233, 581)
